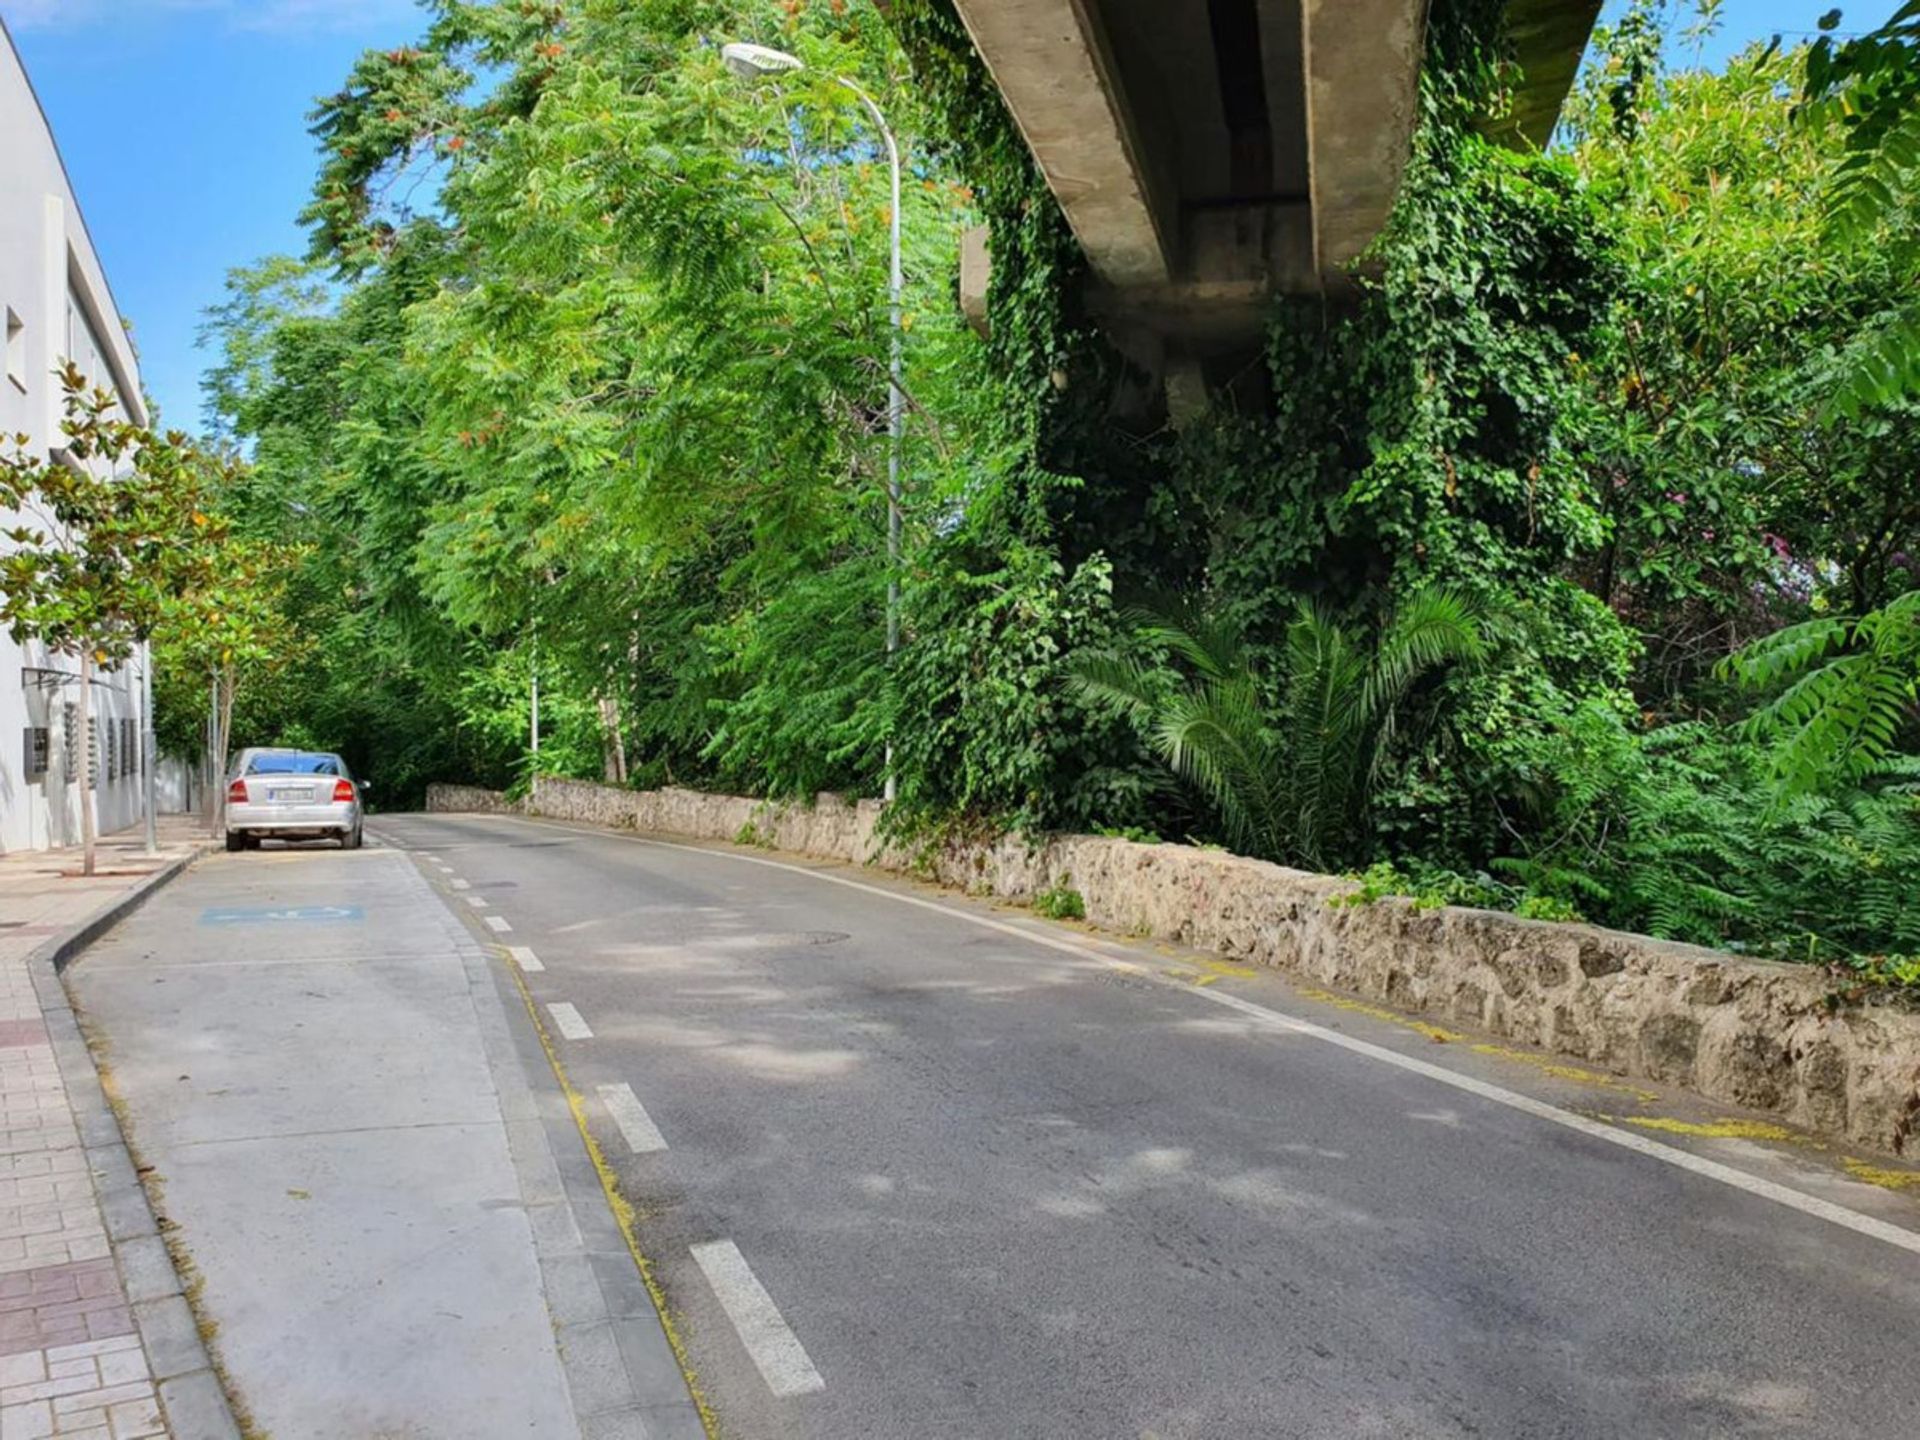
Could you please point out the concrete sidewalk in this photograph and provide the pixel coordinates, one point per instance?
(96, 1341)
(368, 1162)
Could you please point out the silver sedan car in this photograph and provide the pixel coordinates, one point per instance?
(292, 795)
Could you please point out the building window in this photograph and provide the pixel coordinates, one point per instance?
(16, 350)
(83, 753)
(110, 742)
(38, 739)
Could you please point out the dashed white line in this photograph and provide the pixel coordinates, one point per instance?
(567, 1021)
(783, 1364)
(499, 923)
(635, 1125)
(479, 902)
(459, 884)
(524, 957)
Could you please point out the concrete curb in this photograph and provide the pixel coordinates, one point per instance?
(190, 1390)
(622, 1374)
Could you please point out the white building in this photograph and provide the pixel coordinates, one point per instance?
(57, 307)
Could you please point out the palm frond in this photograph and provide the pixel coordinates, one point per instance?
(1212, 644)
(1115, 680)
(1215, 738)
(1327, 732)
(1436, 627)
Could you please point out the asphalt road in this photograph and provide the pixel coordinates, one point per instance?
(906, 1175)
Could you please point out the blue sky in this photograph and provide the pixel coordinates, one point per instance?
(183, 125)
(1744, 21)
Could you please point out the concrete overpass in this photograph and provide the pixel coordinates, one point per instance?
(1209, 153)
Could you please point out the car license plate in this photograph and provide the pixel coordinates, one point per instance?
(286, 793)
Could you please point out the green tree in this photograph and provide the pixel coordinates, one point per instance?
(1868, 89)
(229, 628)
(107, 540)
(1731, 507)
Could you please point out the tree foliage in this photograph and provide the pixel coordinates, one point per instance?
(1868, 88)
(119, 545)
(1482, 570)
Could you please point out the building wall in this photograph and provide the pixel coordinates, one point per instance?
(56, 306)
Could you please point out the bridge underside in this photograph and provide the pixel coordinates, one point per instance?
(1211, 153)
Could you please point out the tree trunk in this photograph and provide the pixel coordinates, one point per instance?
(86, 761)
(222, 738)
(213, 783)
(613, 746)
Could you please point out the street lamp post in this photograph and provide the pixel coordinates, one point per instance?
(148, 785)
(754, 62)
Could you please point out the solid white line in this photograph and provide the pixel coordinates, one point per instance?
(774, 1348)
(1779, 1194)
(459, 884)
(479, 902)
(567, 1021)
(498, 922)
(525, 958)
(636, 1126)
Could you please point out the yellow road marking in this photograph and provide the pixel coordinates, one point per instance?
(1548, 1066)
(1545, 1064)
(623, 1214)
(1885, 1179)
(1378, 1012)
(1713, 1129)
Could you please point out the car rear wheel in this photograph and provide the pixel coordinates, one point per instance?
(234, 840)
(350, 839)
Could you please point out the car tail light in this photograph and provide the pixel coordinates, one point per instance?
(342, 790)
(237, 793)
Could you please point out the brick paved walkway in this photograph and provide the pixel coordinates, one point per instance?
(71, 1359)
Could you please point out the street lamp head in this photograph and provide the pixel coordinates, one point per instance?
(756, 62)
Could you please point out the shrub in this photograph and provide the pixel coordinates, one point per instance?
(1060, 902)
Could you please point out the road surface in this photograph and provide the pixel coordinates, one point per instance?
(912, 1166)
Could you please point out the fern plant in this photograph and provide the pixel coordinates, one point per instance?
(1852, 690)
(1285, 761)
(1659, 831)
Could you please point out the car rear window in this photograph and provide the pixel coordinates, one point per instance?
(285, 764)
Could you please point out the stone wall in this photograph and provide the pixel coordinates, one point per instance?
(469, 798)
(1747, 1032)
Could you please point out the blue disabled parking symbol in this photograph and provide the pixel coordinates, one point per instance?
(283, 915)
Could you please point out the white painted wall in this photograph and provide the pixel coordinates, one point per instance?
(56, 306)
(176, 786)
